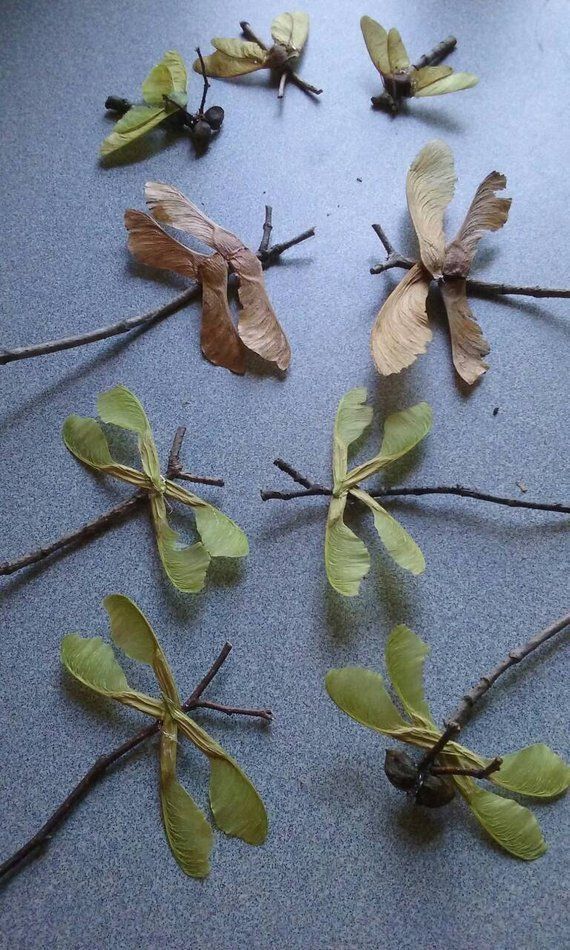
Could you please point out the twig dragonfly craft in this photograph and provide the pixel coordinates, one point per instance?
(401, 79)
(186, 566)
(165, 96)
(446, 766)
(237, 57)
(236, 806)
(401, 331)
(258, 328)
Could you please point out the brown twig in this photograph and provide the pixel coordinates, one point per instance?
(464, 710)
(315, 488)
(267, 258)
(267, 229)
(287, 70)
(481, 287)
(42, 838)
(205, 80)
(112, 516)
(493, 766)
(438, 53)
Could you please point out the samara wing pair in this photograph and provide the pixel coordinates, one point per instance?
(400, 78)
(237, 57)
(222, 343)
(401, 331)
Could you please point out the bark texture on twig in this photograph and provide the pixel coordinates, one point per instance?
(315, 488)
(481, 287)
(43, 837)
(267, 256)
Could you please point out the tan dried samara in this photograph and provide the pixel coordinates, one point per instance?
(222, 343)
(401, 331)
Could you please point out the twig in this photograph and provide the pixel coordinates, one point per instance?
(110, 517)
(205, 79)
(465, 708)
(315, 488)
(175, 470)
(493, 766)
(287, 68)
(42, 838)
(267, 229)
(438, 53)
(482, 287)
(145, 321)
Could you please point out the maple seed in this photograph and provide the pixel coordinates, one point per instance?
(214, 116)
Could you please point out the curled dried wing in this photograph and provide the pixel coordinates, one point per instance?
(401, 332)
(219, 339)
(486, 213)
(169, 205)
(429, 189)
(468, 345)
(291, 30)
(397, 53)
(258, 326)
(376, 40)
(151, 245)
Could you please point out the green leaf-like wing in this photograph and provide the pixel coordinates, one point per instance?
(405, 655)
(221, 536)
(188, 832)
(347, 559)
(535, 770)
(236, 806)
(511, 825)
(428, 74)
(453, 83)
(398, 543)
(376, 40)
(136, 122)
(85, 439)
(134, 635)
(291, 30)
(402, 431)
(362, 695)
(353, 417)
(232, 58)
(186, 566)
(92, 661)
(168, 78)
(120, 407)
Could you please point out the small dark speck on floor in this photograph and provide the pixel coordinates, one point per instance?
(359, 179)
(496, 410)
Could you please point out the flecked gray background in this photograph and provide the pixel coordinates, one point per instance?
(348, 863)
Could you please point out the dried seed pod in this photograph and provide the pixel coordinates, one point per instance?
(117, 104)
(400, 769)
(214, 116)
(202, 132)
(435, 791)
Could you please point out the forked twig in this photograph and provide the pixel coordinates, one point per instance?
(43, 837)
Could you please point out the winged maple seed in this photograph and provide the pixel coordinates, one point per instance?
(165, 96)
(535, 771)
(237, 57)
(401, 331)
(258, 328)
(401, 79)
(236, 806)
(186, 566)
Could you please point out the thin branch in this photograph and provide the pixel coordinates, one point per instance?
(205, 79)
(145, 321)
(113, 515)
(438, 53)
(464, 710)
(267, 229)
(493, 766)
(287, 68)
(86, 532)
(481, 287)
(175, 470)
(311, 488)
(282, 84)
(40, 841)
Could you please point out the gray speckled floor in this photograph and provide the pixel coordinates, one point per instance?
(347, 864)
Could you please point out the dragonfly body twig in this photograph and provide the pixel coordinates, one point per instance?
(43, 837)
(268, 256)
(287, 71)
